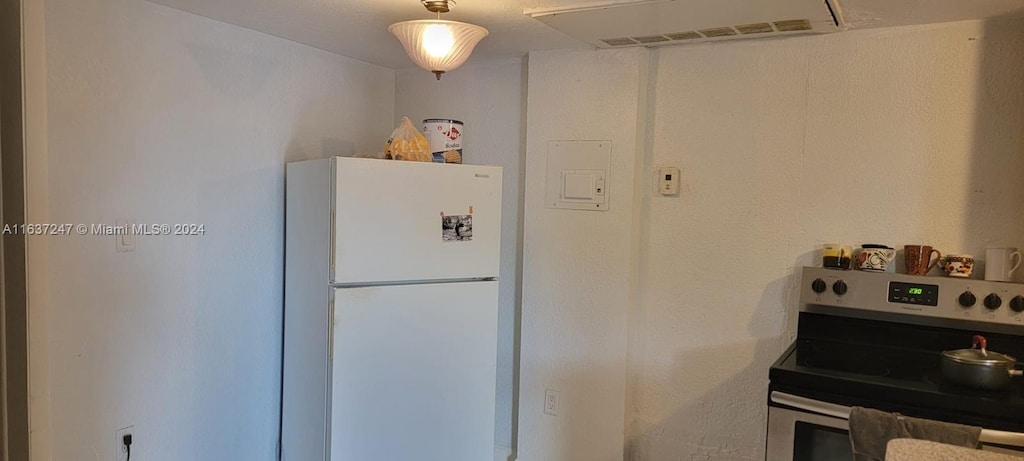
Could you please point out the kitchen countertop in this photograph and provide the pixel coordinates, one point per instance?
(924, 450)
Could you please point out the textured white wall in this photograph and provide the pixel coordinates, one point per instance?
(907, 135)
(489, 97)
(715, 260)
(33, 22)
(898, 136)
(577, 265)
(166, 117)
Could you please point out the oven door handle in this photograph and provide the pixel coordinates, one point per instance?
(988, 436)
(811, 405)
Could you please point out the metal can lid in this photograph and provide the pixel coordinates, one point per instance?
(441, 120)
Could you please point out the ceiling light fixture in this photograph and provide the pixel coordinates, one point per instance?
(436, 45)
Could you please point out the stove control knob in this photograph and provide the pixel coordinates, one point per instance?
(1017, 304)
(839, 287)
(967, 299)
(819, 286)
(992, 301)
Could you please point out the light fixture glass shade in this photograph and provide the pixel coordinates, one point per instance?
(436, 45)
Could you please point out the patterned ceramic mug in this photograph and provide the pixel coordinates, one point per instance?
(919, 259)
(959, 265)
(875, 257)
(836, 256)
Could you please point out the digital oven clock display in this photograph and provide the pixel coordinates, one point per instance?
(914, 293)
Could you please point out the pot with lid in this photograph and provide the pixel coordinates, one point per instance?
(978, 367)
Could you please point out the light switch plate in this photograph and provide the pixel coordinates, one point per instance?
(577, 175)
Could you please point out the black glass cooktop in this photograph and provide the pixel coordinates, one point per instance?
(894, 367)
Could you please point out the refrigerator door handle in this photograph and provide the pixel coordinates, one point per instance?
(330, 332)
(332, 239)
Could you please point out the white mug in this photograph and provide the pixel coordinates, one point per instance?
(1000, 264)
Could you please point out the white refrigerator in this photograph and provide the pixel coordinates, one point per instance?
(390, 320)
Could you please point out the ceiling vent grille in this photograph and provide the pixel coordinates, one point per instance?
(684, 35)
(651, 39)
(623, 41)
(718, 32)
(775, 28)
(759, 28)
(793, 25)
(619, 23)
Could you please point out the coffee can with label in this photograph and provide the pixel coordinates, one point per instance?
(445, 137)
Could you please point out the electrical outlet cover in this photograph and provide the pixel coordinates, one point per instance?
(119, 448)
(551, 402)
(124, 239)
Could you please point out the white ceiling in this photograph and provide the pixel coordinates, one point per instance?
(358, 28)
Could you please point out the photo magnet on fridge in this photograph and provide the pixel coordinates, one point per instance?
(456, 228)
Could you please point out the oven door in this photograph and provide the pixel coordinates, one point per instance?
(802, 429)
(804, 436)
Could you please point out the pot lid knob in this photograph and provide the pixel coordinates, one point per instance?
(980, 342)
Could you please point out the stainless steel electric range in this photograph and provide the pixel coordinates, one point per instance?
(874, 340)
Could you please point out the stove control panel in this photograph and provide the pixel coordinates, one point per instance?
(929, 296)
(914, 293)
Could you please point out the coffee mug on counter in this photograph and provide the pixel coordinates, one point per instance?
(999, 264)
(959, 266)
(919, 259)
(875, 257)
(836, 256)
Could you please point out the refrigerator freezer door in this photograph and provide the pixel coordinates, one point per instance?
(401, 221)
(414, 372)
